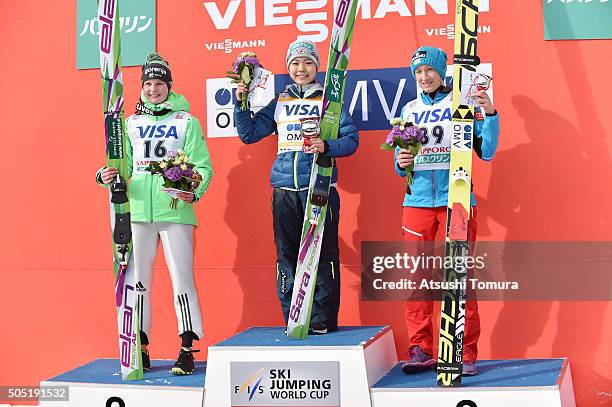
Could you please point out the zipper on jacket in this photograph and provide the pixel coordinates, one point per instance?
(433, 174)
(433, 187)
(295, 174)
(151, 180)
(151, 200)
(333, 273)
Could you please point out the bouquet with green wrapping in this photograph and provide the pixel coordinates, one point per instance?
(178, 173)
(404, 135)
(242, 71)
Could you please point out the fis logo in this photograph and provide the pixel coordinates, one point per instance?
(249, 388)
(162, 131)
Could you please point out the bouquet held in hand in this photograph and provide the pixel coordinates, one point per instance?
(407, 136)
(242, 71)
(178, 173)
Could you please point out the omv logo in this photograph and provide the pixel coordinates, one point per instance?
(371, 96)
(220, 102)
(224, 98)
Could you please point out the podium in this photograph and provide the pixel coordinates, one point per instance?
(263, 367)
(353, 367)
(99, 384)
(499, 383)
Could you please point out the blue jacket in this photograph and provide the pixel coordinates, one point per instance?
(292, 169)
(430, 188)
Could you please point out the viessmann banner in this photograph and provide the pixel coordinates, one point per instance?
(372, 96)
(137, 20)
(577, 19)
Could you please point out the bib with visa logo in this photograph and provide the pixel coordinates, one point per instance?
(435, 121)
(155, 140)
(287, 115)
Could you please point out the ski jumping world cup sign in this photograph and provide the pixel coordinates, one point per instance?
(285, 384)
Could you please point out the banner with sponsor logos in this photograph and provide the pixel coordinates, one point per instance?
(285, 384)
(372, 96)
(137, 20)
(577, 19)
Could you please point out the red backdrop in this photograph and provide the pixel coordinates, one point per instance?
(550, 180)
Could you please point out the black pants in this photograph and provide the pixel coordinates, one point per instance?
(288, 216)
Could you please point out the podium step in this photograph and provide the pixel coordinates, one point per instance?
(263, 367)
(353, 367)
(500, 383)
(99, 384)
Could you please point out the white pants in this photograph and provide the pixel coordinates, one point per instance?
(177, 242)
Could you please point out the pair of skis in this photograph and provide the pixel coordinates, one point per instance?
(128, 312)
(452, 318)
(322, 168)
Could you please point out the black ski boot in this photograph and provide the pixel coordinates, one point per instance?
(185, 364)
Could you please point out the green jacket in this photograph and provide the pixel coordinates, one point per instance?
(148, 203)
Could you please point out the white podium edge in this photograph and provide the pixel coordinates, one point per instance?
(148, 386)
(361, 345)
(566, 386)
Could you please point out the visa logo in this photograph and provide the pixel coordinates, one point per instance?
(161, 131)
(307, 110)
(432, 116)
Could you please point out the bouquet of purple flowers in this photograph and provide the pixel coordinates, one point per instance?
(178, 173)
(404, 135)
(242, 71)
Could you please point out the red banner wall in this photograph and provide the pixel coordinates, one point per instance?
(550, 180)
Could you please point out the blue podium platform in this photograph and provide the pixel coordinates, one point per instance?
(499, 383)
(276, 337)
(99, 383)
(492, 373)
(106, 371)
(353, 367)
